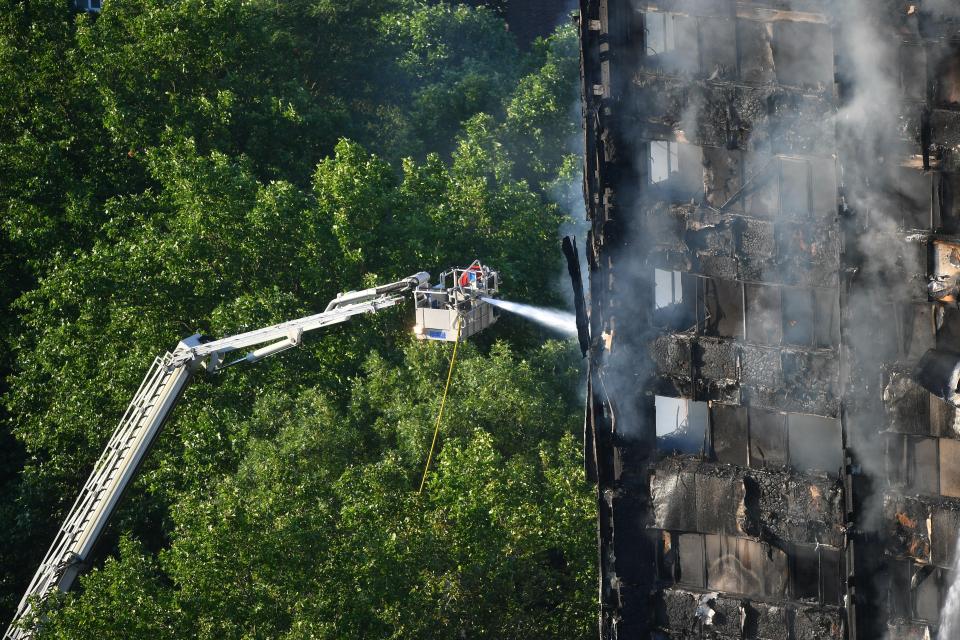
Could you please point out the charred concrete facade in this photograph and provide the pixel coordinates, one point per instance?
(773, 191)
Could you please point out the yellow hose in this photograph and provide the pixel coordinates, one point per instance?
(443, 402)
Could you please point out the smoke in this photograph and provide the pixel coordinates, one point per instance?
(875, 142)
(568, 195)
(944, 8)
(870, 149)
(566, 191)
(950, 616)
(562, 322)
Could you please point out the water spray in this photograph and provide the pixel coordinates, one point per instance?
(562, 322)
(950, 615)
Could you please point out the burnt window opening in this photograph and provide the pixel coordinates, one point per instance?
(927, 592)
(946, 202)
(755, 51)
(925, 476)
(815, 443)
(803, 55)
(898, 591)
(917, 591)
(922, 463)
(661, 34)
(722, 309)
(681, 424)
(668, 288)
(787, 187)
(676, 168)
(919, 465)
(823, 186)
(787, 315)
(688, 501)
(915, 331)
(722, 564)
(729, 434)
(946, 320)
(912, 262)
(664, 160)
(795, 187)
(769, 186)
(765, 439)
(798, 316)
(947, 84)
(692, 570)
(805, 573)
(826, 324)
(763, 314)
(896, 461)
(913, 72)
(949, 467)
(718, 48)
(816, 574)
(832, 572)
(768, 439)
(675, 298)
(666, 554)
(761, 194)
(722, 178)
(906, 404)
(914, 198)
(672, 43)
(943, 537)
(754, 567)
(681, 44)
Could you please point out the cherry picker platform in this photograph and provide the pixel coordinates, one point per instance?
(454, 309)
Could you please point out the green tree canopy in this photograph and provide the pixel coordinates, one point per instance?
(319, 533)
(216, 166)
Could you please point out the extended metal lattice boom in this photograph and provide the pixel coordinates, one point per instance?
(144, 418)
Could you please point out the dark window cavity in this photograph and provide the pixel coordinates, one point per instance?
(729, 434)
(763, 314)
(803, 54)
(815, 443)
(768, 438)
(722, 308)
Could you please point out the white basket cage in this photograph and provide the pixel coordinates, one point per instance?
(456, 305)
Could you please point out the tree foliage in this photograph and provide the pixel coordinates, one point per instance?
(318, 532)
(213, 166)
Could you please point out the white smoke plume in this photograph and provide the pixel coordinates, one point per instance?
(945, 8)
(950, 615)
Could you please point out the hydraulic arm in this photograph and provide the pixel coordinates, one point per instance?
(144, 418)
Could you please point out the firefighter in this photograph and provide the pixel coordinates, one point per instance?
(469, 276)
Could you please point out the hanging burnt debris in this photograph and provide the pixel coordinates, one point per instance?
(773, 411)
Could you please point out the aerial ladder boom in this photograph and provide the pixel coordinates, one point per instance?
(144, 418)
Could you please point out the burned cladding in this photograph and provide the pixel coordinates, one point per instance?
(774, 412)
